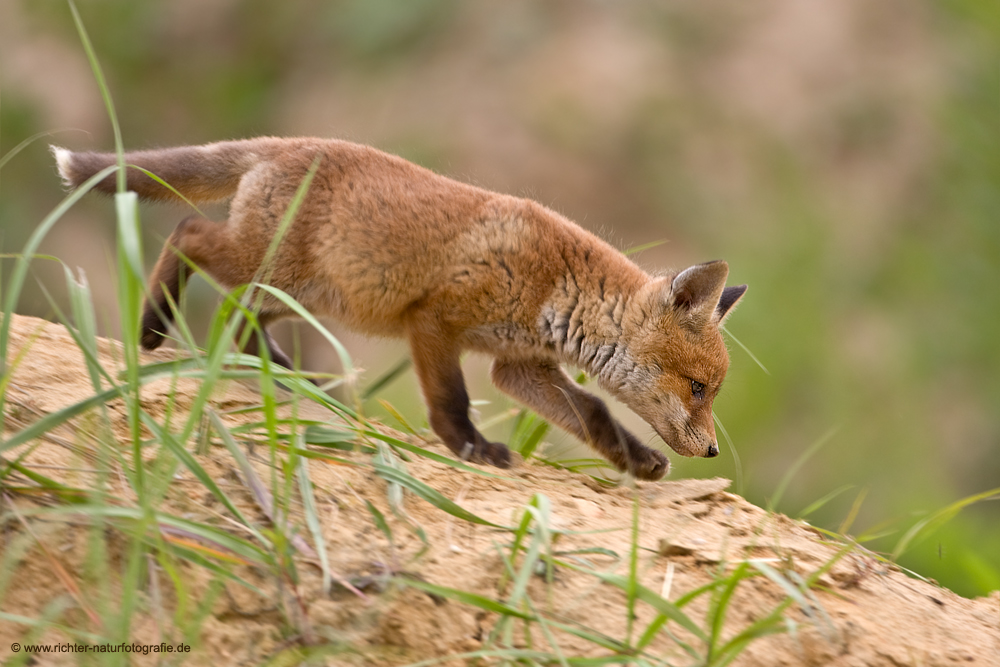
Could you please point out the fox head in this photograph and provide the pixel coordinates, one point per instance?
(678, 358)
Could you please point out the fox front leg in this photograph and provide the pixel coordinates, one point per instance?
(544, 387)
(440, 374)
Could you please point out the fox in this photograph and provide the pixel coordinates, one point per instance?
(392, 249)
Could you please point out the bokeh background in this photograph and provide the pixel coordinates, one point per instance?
(843, 156)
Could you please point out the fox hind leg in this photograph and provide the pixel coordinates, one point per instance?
(167, 278)
(206, 245)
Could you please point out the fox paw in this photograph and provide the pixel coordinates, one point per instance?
(648, 464)
(151, 335)
(484, 451)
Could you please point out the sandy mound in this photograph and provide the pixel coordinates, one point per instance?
(863, 611)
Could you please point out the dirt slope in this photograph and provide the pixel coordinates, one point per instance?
(689, 531)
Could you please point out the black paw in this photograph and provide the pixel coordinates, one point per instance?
(648, 464)
(484, 451)
(495, 454)
(151, 336)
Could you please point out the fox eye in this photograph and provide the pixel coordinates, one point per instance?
(697, 389)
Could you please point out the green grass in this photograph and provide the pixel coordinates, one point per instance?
(129, 533)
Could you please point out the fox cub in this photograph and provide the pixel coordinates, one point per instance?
(389, 248)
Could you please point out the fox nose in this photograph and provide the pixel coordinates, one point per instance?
(713, 451)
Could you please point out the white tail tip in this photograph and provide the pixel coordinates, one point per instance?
(63, 158)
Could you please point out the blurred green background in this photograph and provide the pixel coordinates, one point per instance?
(844, 157)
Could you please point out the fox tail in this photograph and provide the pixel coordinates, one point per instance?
(200, 173)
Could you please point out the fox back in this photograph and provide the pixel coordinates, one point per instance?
(391, 249)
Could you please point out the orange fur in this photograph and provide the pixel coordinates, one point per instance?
(392, 249)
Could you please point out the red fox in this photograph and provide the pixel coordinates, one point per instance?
(390, 248)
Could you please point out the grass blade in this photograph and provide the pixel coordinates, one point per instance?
(631, 588)
(398, 416)
(936, 519)
(380, 521)
(296, 307)
(198, 471)
(238, 546)
(794, 469)
(745, 349)
(472, 599)
(529, 429)
(54, 419)
(257, 489)
(386, 378)
(312, 519)
(427, 454)
(431, 495)
(848, 521)
(20, 272)
(539, 509)
(12, 153)
(790, 589)
(824, 500)
(657, 602)
(168, 187)
(720, 605)
(129, 234)
(636, 249)
(95, 68)
(737, 462)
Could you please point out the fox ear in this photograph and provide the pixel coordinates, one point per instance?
(697, 291)
(730, 296)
